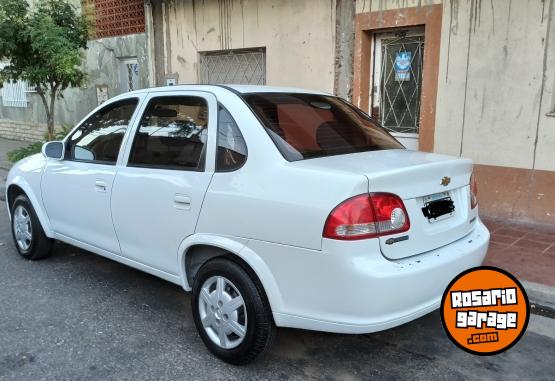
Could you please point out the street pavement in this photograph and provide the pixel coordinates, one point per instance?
(78, 316)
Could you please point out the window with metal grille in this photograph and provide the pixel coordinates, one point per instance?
(129, 74)
(398, 79)
(14, 94)
(239, 66)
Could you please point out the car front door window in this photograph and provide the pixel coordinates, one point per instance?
(99, 138)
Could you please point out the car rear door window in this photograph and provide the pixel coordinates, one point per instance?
(232, 149)
(172, 134)
(98, 139)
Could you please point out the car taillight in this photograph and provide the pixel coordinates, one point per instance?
(473, 192)
(367, 216)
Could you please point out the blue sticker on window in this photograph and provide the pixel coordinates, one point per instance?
(402, 66)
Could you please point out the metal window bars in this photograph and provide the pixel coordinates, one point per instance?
(247, 67)
(400, 91)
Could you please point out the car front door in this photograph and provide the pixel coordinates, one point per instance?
(76, 190)
(158, 193)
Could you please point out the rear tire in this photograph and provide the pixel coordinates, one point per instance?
(27, 232)
(249, 329)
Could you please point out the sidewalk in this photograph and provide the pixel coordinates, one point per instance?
(525, 250)
(528, 252)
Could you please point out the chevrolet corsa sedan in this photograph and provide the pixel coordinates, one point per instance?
(274, 206)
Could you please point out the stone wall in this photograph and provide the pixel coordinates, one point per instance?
(23, 131)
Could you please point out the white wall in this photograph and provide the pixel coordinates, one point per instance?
(495, 88)
(496, 79)
(299, 37)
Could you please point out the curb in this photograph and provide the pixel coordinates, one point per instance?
(540, 294)
(4, 165)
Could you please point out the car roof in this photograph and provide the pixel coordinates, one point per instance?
(238, 89)
(246, 89)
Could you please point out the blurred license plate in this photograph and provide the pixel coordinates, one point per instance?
(438, 206)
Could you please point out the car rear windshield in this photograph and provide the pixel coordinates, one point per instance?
(305, 126)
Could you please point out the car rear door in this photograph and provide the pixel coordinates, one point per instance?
(76, 190)
(159, 190)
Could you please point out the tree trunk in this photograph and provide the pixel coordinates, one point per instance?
(50, 126)
(49, 115)
(50, 119)
(49, 108)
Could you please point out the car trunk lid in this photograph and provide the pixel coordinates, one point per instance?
(418, 178)
(421, 180)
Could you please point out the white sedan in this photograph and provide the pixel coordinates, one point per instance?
(274, 206)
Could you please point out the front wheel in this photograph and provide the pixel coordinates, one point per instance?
(231, 313)
(28, 235)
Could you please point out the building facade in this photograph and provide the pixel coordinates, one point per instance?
(116, 61)
(473, 78)
(288, 42)
(487, 91)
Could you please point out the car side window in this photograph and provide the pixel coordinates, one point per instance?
(232, 149)
(98, 139)
(172, 134)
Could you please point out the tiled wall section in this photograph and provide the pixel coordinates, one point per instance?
(24, 131)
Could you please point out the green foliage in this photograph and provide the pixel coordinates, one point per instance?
(44, 45)
(23, 152)
(33, 148)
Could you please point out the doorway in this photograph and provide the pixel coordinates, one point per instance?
(397, 82)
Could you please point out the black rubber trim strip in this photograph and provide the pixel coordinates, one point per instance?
(231, 89)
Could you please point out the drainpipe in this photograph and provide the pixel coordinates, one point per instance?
(151, 61)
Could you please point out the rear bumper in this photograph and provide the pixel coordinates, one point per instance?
(351, 288)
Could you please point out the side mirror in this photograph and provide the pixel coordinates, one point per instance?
(53, 150)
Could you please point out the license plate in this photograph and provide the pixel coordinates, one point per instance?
(438, 206)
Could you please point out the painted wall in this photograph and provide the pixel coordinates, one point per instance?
(298, 37)
(385, 5)
(496, 98)
(496, 82)
(496, 89)
(102, 64)
(496, 79)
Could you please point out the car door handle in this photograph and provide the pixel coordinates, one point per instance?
(100, 186)
(182, 201)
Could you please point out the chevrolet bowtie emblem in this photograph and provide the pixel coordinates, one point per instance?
(445, 181)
